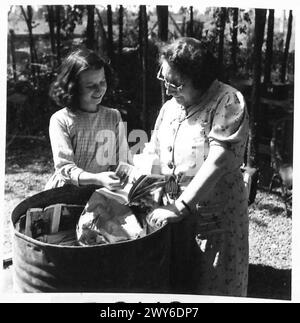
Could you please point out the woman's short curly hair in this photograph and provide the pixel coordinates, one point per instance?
(191, 59)
(64, 90)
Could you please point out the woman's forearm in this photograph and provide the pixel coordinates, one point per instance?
(214, 167)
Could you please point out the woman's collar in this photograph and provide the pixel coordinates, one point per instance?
(205, 97)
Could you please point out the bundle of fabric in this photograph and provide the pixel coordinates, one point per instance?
(105, 220)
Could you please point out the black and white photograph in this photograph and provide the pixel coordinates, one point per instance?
(124, 171)
(198, 97)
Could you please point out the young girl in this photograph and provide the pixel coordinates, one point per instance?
(87, 139)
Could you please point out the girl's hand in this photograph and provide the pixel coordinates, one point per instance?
(108, 180)
(163, 215)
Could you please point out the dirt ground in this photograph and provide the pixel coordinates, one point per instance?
(29, 165)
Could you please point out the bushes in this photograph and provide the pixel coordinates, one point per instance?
(28, 105)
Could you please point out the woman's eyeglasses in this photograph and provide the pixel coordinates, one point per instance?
(168, 85)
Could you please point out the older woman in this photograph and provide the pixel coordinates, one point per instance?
(199, 141)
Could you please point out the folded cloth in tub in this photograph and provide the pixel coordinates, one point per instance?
(105, 220)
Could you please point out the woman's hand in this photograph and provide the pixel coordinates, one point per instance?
(163, 215)
(109, 180)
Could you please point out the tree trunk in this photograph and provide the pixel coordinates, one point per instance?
(287, 47)
(121, 14)
(90, 29)
(143, 23)
(32, 42)
(269, 49)
(13, 53)
(140, 33)
(234, 47)
(255, 109)
(51, 23)
(58, 27)
(191, 23)
(102, 42)
(33, 55)
(222, 26)
(284, 22)
(163, 22)
(110, 34)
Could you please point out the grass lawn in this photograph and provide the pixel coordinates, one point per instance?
(29, 165)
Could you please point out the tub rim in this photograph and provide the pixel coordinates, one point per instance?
(17, 213)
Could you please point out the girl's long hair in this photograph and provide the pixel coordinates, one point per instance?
(65, 89)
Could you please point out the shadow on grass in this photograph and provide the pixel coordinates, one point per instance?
(259, 222)
(271, 208)
(261, 203)
(268, 282)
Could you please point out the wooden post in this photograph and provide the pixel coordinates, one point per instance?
(121, 14)
(102, 46)
(140, 34)
(163, 22)
(287, 47)
(255, 107)
(269, 49)
(13, 53)
(33, 56)
(223, 14)
(144, 51)
(234, 38)
(110, 34)
(32, 44)
(58, 27)
(50, 10)
(183, 26)
(90, 30)
(191, 24)
(163, 31)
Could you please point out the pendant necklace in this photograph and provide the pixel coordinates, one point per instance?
(172, 184)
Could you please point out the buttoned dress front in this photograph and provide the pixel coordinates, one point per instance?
(217, 254)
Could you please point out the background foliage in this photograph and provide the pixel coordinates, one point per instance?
(28, 106)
